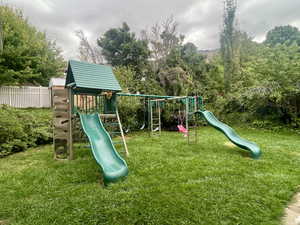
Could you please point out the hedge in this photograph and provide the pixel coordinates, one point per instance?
(23, 128)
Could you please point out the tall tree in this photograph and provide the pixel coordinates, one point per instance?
(120, 47)
(229, 41)
(175, 81)
(87, 51)
(163, 38)
(283, 35)
(27, 56)
(1, 35)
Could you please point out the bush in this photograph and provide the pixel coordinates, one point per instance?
(131, 112)
(23, 128)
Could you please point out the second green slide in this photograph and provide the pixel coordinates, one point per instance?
(231, 134)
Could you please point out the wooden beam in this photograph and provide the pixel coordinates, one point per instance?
(70, 132)
(167, 99)
(109, 116)
(122, 133)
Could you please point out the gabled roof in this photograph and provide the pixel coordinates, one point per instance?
(91, 77)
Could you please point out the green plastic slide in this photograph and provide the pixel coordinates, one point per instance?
(231, 134)
(104, 152)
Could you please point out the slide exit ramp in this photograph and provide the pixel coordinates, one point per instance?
(231, 134)
(104, 152)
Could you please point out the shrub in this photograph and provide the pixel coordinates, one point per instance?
(23, 128)
(130, 110)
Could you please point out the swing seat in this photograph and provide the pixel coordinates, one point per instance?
(182, 129)
(156, 129)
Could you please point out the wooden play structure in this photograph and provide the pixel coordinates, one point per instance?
(88, 108)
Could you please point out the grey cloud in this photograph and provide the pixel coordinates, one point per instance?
(199, 20)
(264, 15)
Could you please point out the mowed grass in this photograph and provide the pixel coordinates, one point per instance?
(169, 182)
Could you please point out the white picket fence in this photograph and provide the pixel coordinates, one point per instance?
(25, 96)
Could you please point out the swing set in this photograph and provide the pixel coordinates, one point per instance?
(185, 106)
(89, 103)
(154, 107)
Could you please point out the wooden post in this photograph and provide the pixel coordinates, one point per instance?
(70, 133)
(195, 119)
(159, 120)
(151, 118)
(122, 133)
(53, 119)
(187, 118)
(61, 123)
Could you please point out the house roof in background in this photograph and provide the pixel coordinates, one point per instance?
(57, 81)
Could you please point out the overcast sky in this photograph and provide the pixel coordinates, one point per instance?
(199, 20)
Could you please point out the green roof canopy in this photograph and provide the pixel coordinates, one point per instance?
(91, 78)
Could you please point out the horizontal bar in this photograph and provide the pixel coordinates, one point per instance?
(143, 95)
(167, 99)
(108, 115)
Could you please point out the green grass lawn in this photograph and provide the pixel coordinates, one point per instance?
(169, 182)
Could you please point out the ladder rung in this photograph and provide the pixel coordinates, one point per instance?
(108, 116)
(111, 123)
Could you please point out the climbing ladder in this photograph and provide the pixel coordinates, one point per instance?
(155, 118)
(192, 129)
(112, 124)
(191, 120)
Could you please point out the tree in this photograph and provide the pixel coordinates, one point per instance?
(283, 35)
(175, 81)
(276, 92)
(163, 38)
(229, 41)
(87, 51)
(27, 56)
(1, 35)
(120, 47)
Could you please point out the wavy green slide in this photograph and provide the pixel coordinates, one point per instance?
(104, 152)
(231, 134)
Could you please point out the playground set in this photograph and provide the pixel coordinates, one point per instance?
(90, 102)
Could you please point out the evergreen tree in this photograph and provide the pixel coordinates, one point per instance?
(229, 41)
(120, 47)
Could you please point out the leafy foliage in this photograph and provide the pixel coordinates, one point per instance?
(175, 81)
(20, 129)
(132, 110)
(258, 81)
(121, 48)
(283, 35)
(27, 56)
